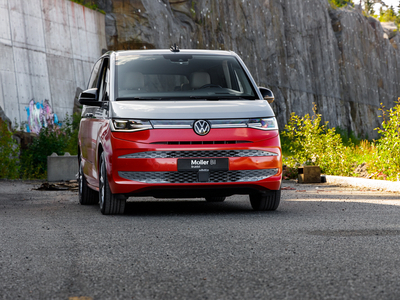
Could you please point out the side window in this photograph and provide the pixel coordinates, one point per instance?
(95, 75)
(104, 87)
(107, 83)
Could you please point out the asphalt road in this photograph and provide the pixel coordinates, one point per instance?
(323, 242)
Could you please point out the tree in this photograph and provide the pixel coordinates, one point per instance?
(391, 11)
(398, 15)
(369, 7)
(388, 15)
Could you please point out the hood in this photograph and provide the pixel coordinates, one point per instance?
(189, 110)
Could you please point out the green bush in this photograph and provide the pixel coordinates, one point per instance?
(306, 141)
(314, 144)
(50, 140)
(34, 158)
(71, 129)
(349, 138)
(9, 152)
(386, 158)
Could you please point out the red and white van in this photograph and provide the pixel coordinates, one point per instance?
(177, 123)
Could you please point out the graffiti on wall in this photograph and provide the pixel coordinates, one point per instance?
(40, 115)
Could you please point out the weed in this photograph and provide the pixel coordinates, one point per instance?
(386, 158)
(306, 141)
(72, 130)
(289, 173)
(57, 140)
(349, 138)
(9, 151)
(34, 159)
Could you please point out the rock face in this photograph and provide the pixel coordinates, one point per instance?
(304, 50)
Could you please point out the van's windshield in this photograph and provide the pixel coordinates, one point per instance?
(181, 76)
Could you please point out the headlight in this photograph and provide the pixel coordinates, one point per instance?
(263, 123)
(130, 125)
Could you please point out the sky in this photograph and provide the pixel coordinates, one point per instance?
(392, 2)
(395, 3)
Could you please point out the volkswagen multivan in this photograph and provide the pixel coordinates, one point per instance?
(177, 123)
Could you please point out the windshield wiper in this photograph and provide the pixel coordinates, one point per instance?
(137, 98)
(216, 98)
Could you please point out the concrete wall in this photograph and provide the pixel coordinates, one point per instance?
(47, 50)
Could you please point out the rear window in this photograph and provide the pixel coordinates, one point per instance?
(181, 76)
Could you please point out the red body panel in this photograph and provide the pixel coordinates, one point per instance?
(116, 144)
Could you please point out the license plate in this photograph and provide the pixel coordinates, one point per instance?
(196, 164)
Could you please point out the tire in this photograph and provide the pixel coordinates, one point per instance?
(215, 199)
(109, 203)
(87, 196)
(266, 201)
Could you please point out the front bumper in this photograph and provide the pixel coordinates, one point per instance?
(145, 163)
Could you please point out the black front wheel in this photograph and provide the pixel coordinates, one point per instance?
(266, 201)
(87, 196)
(109, 203)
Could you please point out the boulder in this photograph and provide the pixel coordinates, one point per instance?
(389, 29)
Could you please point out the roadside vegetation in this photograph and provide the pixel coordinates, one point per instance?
(9, 149)
(305, 141)
(31, 163)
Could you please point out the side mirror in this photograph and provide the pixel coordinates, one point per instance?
(267, 94)
(89, 97)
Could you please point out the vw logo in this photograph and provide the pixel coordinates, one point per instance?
(201, 127)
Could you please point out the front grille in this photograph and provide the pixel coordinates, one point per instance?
(195, 154)
(191, 177)
(201, 143)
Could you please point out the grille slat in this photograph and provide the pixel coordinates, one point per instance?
(195, 154)
(201, 142)
(191, 177)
